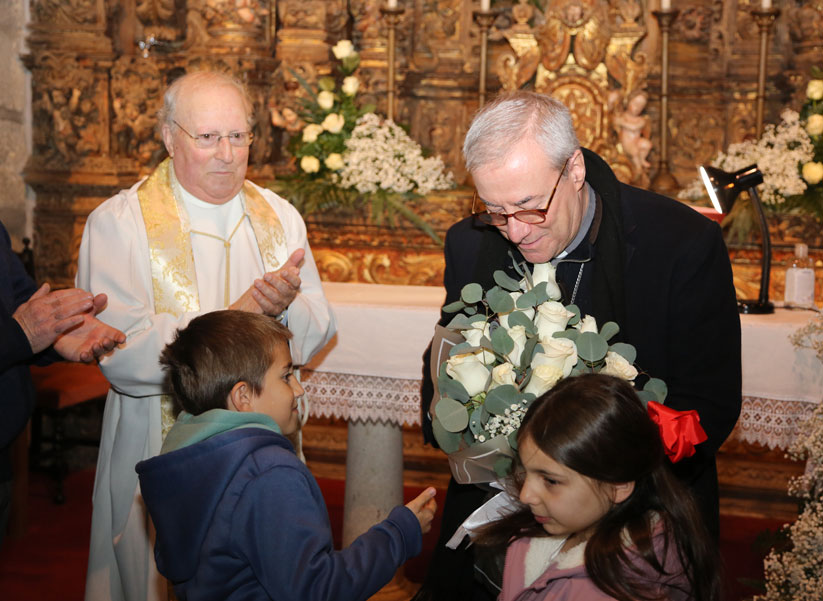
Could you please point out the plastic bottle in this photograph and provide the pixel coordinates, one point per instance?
(800, 278)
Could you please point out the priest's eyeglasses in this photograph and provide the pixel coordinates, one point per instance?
(530, 216)
(212, 139)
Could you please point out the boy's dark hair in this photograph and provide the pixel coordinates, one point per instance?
(597, 426)
(216, 351)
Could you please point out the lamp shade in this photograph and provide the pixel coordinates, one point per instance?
(723, 186)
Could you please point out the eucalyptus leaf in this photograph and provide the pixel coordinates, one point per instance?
(528, 352)
(470, 310)
(459, 349)
(627, 351)
(471, 293)
(501, 398)
(454, 307)
(512, 438)
(505, 281)
(540, 293)
(468, 437)
(645, 396)
(576, 318)
(571, 333)
(591, 347)
(503, 466)
(609, 330)
(527, 300)
(476, 424)
(658, 388)
(459, 322)
(519, 318)
(499, 300)
(452, 414)
(449, 442)
(579, 369)
(449, 387)
(502, 343)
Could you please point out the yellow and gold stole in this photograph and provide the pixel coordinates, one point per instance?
(174, 280)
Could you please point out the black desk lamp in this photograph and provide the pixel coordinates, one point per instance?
(723, 188)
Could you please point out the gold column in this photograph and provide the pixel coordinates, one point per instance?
(392, 16)
(664, 181)
(765, 18)
(484, 19)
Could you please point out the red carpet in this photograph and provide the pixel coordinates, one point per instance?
(49, 563)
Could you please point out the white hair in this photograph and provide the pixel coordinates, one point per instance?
(167, 114)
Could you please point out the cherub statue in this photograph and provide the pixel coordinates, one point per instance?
(633, 127)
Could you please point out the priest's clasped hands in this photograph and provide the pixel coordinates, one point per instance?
(273, 293)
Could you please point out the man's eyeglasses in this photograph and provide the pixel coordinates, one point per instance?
(212, 139)
(530, 216)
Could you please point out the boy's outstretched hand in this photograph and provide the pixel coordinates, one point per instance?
(423, 508)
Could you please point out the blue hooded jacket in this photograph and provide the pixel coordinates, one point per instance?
(240, 517)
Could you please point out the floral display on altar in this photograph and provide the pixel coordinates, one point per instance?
(347, 154)
(795, 573)
(788, 154)
(515, 342)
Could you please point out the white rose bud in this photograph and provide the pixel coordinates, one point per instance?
(470, 371)
(616, 365)
(334, 161)
(551, 317)
(545, 272)
(473, 336)
(350, 85)
(311, 131)
(543, 378)
(558, 352)
(587, 324)
(504, 317)
(813, 172)
(333, 123)
(325, 100)
(342, 49)
(518, 335)
(310, 164)
(815, 89)
(502, 375)
(814, 125)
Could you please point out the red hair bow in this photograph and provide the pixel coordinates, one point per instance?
(679, 430)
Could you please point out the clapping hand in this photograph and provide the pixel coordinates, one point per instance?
(273, 293)
(47, 314)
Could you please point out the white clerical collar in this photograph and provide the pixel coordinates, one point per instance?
(582, 231)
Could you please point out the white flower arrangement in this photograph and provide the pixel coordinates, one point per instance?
(796, 573)
(518, 342)
(381, 156)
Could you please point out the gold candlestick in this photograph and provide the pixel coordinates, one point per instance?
(484, 19)
(664, 181)
(392, 16)
(765, 18)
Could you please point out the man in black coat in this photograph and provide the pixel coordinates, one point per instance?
(654, 266)
(38, 326)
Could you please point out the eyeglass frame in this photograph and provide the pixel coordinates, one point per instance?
(479, 214)
(197, 139)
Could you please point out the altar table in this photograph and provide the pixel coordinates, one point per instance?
(369, 374)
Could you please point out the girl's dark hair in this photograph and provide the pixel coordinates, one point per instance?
(597, 426)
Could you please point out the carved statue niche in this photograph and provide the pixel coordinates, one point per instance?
(159, 23)
(584, 55)
(66, 110)
(136, 89)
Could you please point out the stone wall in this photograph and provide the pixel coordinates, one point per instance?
(16, 201)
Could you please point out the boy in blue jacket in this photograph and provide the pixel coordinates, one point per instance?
(237, 514)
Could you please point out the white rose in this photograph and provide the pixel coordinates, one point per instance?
(543, 378)
(504, 317)
(815, 89)
(311, 131)
(814, 125)
(551, 317)
(342, 49)
(616, 365)
(310, 164)
(473, 336)
(813, 172)
(587, 324)
(503, 374)
(333, 123)
(545, 272)
(350, 85)
(325, 100)
(470, 371)
(558, 352)
(518, 335)
(334, 161)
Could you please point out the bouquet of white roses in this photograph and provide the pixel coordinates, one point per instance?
(346, 154)
(514, 342)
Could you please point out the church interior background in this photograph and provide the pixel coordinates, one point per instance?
(83, 80)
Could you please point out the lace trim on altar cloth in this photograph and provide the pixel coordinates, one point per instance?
(771, 423)
(360, 398)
